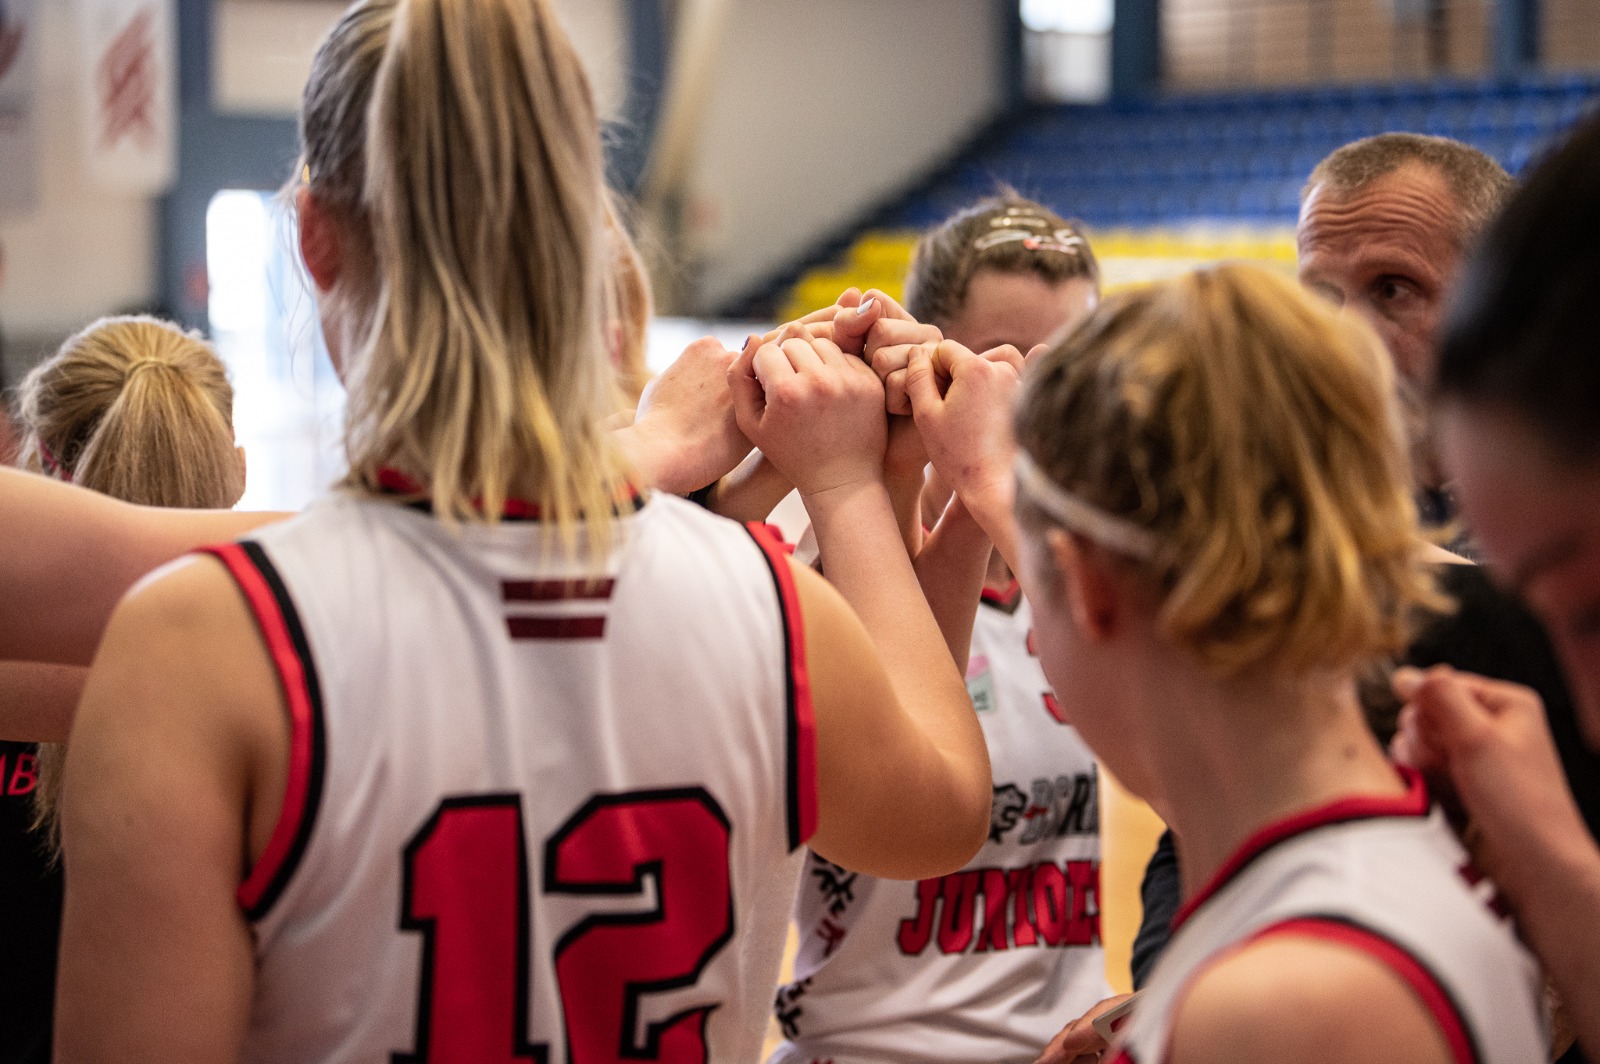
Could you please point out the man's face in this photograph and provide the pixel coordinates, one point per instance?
(1388, 253)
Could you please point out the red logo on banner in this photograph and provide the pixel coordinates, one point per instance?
(127, 82)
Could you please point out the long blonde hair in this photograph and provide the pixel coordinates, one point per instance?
(1255, 436)
(458, 142)
(140, 410)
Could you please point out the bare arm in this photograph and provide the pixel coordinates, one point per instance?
(37, 701)
(70, 554)
(165, 760)
(903, 772)
(1491, 740)
(951, 568)
(751, 492)
(962, 404)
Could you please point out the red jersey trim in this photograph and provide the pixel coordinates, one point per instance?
(801, 715)
(290, 652)
(1005, 597)
(1397, 959)
(394, 482)
(1414, 803)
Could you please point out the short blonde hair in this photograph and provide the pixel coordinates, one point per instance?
(140, 410)
(1256, 434)
(459, 142)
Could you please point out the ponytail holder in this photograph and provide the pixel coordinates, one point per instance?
(52, 465)
(1083, 517)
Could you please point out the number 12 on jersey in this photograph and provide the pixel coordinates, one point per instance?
(466, 891)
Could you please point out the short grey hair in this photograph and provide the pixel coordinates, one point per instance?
(1480, 184)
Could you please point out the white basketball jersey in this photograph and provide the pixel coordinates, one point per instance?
(985, 964)
(1383, 875)
(532, 815)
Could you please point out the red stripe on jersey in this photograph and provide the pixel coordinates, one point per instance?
(556, 627)
(293, 675)
(556, 590)
(1414, 803)
(802, 714)
(1394, 957)
(1003, 596)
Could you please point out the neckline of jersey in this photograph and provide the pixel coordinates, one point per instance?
(1414, 803)
(393, 482)
(1007, 598)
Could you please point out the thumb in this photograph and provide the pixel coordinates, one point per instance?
(749, 398)
(1448, 713)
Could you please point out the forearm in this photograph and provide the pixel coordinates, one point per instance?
(751, 492)
(860, 548)
(37, 701)
(905, 498)
(1556, 894)
(70, 554)
(994, 511)
(951, 568)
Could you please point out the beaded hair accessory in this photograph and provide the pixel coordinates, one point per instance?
(1033, 232)
(1108, 530)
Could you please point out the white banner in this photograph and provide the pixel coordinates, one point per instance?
(19, 106)
(129, 80)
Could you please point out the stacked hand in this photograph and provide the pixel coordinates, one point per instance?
(813, 410)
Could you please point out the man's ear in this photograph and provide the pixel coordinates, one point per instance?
(321, 242)
(1089, 584)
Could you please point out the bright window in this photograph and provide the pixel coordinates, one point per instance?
(1067, 16)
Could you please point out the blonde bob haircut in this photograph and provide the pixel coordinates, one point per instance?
(1256, 434)
(457, 143)
(138, 409)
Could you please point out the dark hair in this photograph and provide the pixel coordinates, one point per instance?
(949, 255)
(1522, 326)
(1480, 185)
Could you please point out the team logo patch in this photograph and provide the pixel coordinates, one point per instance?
(1006, 810)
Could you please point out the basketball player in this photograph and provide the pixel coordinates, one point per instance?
(518, 763)
(1517, 402)
(140, 410)
(1196, 468)
(980, 964)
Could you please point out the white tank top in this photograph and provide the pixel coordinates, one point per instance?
(1384, 875)
(531, 816)
(986, 964)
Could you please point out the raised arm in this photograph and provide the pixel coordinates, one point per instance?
(903, 772)
(70, 554)
(1491, 741)
(962, 403)
(951, 568)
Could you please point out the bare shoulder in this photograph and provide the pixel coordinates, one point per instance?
(183, 662)
(1312, 999)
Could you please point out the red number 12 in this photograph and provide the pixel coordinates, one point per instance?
(466, 890)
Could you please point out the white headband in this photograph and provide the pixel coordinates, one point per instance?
(1108, 530)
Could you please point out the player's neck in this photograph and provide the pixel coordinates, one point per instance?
(1241, 756)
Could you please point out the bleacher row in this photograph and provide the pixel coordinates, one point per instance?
(1196, 178)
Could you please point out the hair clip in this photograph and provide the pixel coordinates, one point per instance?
(52, 465)
(1108, 530)
(1064, 241)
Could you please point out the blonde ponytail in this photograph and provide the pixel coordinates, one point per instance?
(484, 371)
(134, 408)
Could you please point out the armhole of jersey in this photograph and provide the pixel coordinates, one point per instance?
(280, 627)
(1423, 983)
(800, 715)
